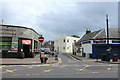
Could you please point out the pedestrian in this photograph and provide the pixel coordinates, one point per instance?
(108, 53)
(56, 56)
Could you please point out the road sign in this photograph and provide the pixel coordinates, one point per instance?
(41, 39)
(97, 40)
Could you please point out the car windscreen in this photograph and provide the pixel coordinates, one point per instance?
(45, 49)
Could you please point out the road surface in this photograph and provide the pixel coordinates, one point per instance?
(67, 67)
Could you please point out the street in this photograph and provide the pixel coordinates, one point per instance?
(67, 67)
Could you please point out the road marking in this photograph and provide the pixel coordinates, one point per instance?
(48, 70)
(59, 60)
(87, 66)
(71, 57)
(9, 70)
(109, 68)
(2, 66)
(80, 69)
(95, 72)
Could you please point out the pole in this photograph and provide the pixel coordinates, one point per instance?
(40, 48)
(107, 37)
(40, 45)
(107, 30)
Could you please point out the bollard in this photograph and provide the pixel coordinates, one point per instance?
(115, 58)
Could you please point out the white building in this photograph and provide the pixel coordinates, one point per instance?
(64, 43)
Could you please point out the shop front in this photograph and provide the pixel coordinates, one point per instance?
(17, 41)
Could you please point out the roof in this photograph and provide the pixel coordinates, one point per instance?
(113, 33)
(89, 35)
(19, 27)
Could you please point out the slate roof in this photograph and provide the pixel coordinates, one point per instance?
(113, 33)
(89, 36)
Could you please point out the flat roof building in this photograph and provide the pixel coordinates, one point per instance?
(17, 39)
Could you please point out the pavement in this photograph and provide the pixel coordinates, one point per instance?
(25, 61)
(92, 60)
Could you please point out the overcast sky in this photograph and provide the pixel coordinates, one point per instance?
(54, 18)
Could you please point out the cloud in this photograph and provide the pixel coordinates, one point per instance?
(54, 18)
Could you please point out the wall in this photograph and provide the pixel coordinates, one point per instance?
(58, 42)
(99, 49)
(87, 49)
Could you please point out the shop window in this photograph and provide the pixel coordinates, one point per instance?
(115, 41)
(6, 42)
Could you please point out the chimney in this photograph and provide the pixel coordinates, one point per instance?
(88, 30)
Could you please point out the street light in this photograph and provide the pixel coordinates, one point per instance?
(108, 49)
(107, 29)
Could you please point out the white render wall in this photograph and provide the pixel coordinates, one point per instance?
(59, 42)
(87, 48)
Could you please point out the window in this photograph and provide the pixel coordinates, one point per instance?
(68, 40)
(63, 40)
(67, 47)
(74, 41)
(6, 42)
(115, 41)
(63, 47)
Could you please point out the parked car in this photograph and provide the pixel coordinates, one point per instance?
(45, 50)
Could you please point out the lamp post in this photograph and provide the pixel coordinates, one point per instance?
(108, 51)
(107, 30)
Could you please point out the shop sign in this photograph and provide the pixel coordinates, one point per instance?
(26, 42)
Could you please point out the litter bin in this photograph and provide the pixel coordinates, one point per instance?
(31, 55)
(104, 57)
(43, 59)
(4, 52)
(115, 58)
(21, 55)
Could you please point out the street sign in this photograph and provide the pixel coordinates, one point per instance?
(97, 40)
(41, 39)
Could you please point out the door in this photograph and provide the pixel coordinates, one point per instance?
(26, 50)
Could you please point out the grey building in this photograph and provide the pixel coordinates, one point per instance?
(18, 39)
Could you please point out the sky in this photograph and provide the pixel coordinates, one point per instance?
(55, 18)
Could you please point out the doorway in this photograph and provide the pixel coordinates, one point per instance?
(26, 50)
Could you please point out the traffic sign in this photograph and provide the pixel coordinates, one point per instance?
(41, 39)
(97, 40)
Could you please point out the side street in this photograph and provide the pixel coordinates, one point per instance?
(59, 39)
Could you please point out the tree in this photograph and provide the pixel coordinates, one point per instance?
(75, 36)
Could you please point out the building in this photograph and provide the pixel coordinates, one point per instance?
(90, 49)
(17, 39)
(64, 43)
(49, 44)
